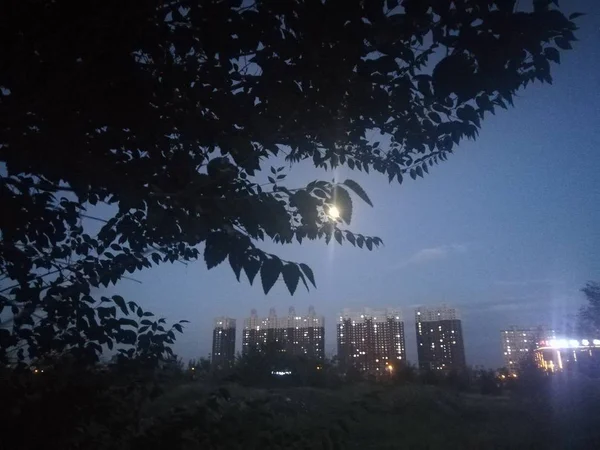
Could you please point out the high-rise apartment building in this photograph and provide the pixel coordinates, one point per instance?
(295, 334)
(371, 340)
(440, 344)
(305, 335)
(223, 345)
(518, 342)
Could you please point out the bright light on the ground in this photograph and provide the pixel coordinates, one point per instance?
(334, 212)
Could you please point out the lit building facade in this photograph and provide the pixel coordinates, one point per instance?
(519, 342)
(440, 344)
(294, 334)
(569, 355)
(371, 341)
(223, 345)
(305, 335)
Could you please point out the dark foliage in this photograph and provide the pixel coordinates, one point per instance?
(407, 373)
(259, 367)
(223, 422)
(489, 383)
(589, 315)
(160, 120)
(68, 406)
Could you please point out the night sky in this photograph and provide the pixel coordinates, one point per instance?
(507, 230)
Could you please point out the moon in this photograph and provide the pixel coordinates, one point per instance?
(334, 212)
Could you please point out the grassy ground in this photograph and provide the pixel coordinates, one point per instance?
(418, 417)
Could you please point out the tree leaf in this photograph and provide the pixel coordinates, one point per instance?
(468, 113)
(291, 275)
(120, 302)
(156, 258)
(251, 267)
(360, 241)
(269, 273)
(358, 190)
(338, 236)
(552, 54)
(309, 273)
(303, 278)
(563, 43)
(319, 193)
(391, 173)
(435, 117)
(215, 250)
(130, 322)
(350, 237)
(236, 264)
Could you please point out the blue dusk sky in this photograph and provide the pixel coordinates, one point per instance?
(507, 230)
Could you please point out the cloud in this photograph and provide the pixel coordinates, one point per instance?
(426, 255)
(519, 283)
(523, 304)
(501, 307)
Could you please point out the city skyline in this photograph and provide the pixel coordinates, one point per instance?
(515, 340)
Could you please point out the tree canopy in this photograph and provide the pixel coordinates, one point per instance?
(161, 120)
(588, 320)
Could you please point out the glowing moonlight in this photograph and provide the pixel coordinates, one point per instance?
(334, 212)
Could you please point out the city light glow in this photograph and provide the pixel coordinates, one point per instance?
(569, 343)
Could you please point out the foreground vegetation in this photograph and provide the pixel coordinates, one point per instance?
(122, 408)
(411, 416)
